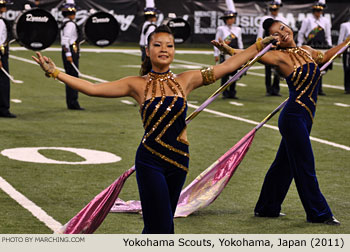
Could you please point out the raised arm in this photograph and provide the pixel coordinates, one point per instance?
(269, 58)
(119, 88)
(195, 79)
(321, 58)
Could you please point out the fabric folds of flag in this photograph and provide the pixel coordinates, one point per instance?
(207, 186)
(92, 215)
(211, 182)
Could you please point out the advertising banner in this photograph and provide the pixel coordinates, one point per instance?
(202, 15)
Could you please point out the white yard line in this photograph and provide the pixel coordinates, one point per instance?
(219, 113)
(241, 84)
(105, 50)
(54, 225)
(344, 147)
(127, 102)
(136, 52)
(236, 103)
(342, 105)
(59, 68)
(39, 213)
(16, 101)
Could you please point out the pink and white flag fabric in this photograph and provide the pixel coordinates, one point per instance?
(206, 187)
(210, 183)
(92, 215)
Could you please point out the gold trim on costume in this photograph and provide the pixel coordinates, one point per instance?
(318, 7)
(208, 75)
(54, 74)
(258, 44)
(298, 54)
(161, 80)
(75, 47)
(319, 58)
(2, 49)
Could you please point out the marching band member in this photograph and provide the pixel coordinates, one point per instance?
(150, 13)
(70, 50)
(315, 31)
(232, 36)
(162, 158)
(4, 63)
(274, 89)
(344, 33)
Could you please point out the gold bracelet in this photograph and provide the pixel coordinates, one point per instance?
(208, 75)
(319, 57)
(347, 39)
(54, 74)
(258, 44)
(231, 51)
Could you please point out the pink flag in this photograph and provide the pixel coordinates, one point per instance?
(92, 215)
(207, 186)
(210, 183)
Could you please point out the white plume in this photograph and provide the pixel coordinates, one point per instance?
(279, 2)
(230, 5)
(150, 4)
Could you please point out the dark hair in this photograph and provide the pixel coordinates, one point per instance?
(147, 64)
(68, 13)
(268, 23)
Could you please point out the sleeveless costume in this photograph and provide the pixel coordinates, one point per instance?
(295, 158)
(162, 157)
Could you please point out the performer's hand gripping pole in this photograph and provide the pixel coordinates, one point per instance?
(228, 83)
(341, 50)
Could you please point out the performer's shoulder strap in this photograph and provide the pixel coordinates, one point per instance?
(80, 35)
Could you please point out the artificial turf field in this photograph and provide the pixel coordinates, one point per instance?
(114, 126)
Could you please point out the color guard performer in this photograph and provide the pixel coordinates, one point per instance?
(345, 33)
(150, 13)
(232, 36)
(315, 31)
(70, 50)
(274, 89)
(4, 57)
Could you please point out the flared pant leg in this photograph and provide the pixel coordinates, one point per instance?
(294, 159)
(159, 190)
(276, 185)
(296, 132)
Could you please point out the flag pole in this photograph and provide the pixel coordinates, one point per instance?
(227, 84)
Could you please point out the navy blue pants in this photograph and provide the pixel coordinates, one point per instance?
(4, 86)
(159, 189)
(294, 159)
(346, 67)
(229, 92)
(273, 88)
(71, 94)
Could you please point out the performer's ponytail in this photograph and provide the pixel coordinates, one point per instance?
(146, 66)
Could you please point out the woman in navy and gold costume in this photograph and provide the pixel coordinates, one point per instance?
(162, 157)
(294, 159)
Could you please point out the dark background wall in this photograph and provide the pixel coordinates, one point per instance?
(203, 15)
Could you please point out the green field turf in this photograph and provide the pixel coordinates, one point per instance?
(112, 126)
